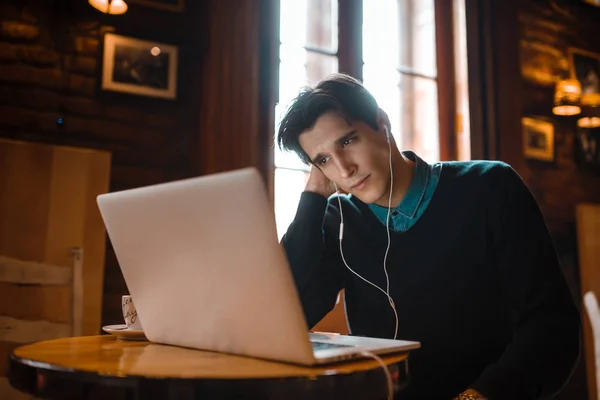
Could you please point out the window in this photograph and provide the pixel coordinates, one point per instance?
(463, 138)
(307, 53)
(395, 51)
(404, 81)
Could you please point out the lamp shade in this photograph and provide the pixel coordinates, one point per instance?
(114, 7)
(567, 96)
(588, 122)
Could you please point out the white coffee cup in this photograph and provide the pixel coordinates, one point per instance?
(130, 314)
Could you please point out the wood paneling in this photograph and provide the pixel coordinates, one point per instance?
(350, 51)
(229, 122)
(444, 37)
(493, 65)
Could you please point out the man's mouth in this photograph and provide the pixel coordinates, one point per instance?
(360, 184)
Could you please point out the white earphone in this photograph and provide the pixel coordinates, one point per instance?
(387, 225)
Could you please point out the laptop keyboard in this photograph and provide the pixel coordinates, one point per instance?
(324, 346)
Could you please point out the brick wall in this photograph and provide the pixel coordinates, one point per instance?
(548, 29)
(50, 67)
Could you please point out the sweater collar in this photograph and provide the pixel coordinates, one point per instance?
(414, 195)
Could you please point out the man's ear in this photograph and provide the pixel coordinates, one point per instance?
(383, 121)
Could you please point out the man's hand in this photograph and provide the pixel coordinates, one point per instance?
(319, 183)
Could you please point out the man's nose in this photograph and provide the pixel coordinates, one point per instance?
(345, 166)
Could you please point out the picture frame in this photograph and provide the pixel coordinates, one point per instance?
(538, 139)
(587, 147)
(585, 67)
(168, 5)
(140, 67)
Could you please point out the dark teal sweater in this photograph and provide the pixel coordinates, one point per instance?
(476, 280)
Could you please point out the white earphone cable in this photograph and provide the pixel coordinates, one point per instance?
(387, 226)
(342, 253)
(341, 236)
(386, 370)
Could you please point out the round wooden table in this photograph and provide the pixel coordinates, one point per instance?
(103, 367)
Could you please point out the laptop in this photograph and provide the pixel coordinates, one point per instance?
(203, 264)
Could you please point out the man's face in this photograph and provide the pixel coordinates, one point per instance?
(354, 156)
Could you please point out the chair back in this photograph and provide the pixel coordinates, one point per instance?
(48, 216)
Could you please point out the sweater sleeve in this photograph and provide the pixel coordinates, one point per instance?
(546, 321)
(312, 259)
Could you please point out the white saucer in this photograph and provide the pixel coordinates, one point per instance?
(121, 332)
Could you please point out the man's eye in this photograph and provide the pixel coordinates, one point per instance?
(347, 142)
(323, 161)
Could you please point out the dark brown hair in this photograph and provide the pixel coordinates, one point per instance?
(338, 93)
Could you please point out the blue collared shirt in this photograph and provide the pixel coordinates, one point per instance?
(417, 197)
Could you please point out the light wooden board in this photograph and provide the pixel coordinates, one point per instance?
(49, 303)
(27, 272)
(24, 331)
(588, 239)
(47, 208)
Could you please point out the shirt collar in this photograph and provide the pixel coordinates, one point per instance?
(416, 190)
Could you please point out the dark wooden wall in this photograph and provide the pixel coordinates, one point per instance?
(518, 50)
(238, 86)
(50, 68)
(548, 30)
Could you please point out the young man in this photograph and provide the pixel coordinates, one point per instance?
(466, 266)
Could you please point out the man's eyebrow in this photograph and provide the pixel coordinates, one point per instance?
(345, 137)
(338, 142)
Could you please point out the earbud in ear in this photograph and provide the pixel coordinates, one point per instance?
(387, 134)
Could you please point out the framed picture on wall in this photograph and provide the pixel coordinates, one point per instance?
(140, 67)
(587, 147)
(585, 67)
(538, 139)
(169, 5)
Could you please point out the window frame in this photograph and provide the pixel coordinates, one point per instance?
(350, 60)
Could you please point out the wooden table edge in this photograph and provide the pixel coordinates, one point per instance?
(34, 376)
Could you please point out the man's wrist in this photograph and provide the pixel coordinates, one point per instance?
(470, 394)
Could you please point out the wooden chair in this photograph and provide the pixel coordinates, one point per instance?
(50, 302)
(593, 312)
(588, 240)
(48, 215)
